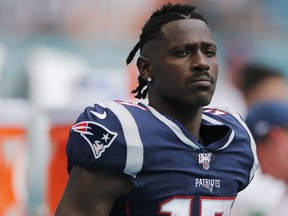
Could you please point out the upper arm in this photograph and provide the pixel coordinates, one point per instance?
(91, 193)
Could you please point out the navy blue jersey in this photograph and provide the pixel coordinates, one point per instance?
(172, 173)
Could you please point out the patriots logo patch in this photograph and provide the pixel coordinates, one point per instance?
(98, 137)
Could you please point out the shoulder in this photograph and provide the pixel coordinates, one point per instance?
(223, 114)
(233, 120)
(106, 111)
(102, 135)
(243, 140)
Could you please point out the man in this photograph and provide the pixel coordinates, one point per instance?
(268, 122)
(258, 82)
(171, 157)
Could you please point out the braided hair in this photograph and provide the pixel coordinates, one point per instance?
(152, 30)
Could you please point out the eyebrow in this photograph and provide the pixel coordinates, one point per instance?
(202, 44)
(191, 46)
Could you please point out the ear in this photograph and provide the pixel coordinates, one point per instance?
(144, 67)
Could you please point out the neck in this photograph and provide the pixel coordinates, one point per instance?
(188, 116)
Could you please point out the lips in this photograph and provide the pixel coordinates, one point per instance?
(205, 80)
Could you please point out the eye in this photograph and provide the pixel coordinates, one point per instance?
(182, 53)
(210, 53)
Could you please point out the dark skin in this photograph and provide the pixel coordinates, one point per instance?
(184, 69)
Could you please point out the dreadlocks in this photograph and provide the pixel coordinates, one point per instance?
(152, 30)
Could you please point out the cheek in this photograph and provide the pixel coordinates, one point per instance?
(169, 74)
(214, 69)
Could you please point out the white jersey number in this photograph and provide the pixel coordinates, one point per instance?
(209, 206)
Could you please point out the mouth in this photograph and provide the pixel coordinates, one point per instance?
(201, 82)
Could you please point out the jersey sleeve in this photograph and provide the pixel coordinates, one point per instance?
(251, 146)
(96, 141)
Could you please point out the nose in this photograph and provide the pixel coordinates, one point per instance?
(199, 62)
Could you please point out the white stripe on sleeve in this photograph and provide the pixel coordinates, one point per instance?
(135, 151)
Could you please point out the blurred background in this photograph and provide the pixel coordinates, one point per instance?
(59, 56)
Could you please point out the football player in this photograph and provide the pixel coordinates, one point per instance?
(171, 156)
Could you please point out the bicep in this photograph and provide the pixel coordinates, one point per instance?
(91, 193)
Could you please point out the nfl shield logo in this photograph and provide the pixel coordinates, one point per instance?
(204, 158)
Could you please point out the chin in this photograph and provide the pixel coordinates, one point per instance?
(203, 101)
(197, 103)
(203, 98)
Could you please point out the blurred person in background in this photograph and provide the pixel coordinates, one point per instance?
(173, 156)
(258, 82)
(268, 122)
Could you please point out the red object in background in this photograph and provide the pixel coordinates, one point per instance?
(61, 120)
(13, 157)
(57, 170)
(13, 161)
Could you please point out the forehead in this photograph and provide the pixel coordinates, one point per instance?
(190, 30)
(180, 33)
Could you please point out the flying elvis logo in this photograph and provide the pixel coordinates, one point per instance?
(98, 137)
